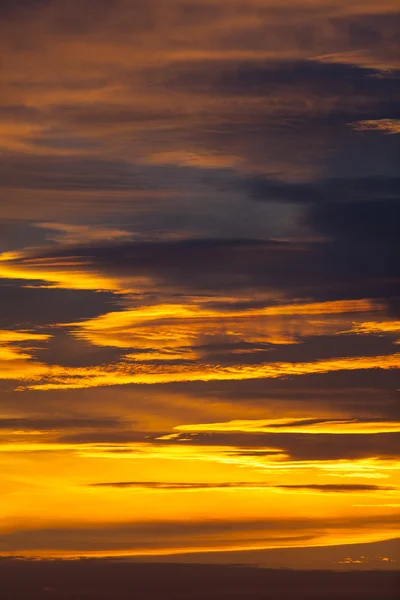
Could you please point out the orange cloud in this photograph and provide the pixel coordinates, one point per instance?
(334, 426)
(376, 327)
(124, 373)
(387, 126)
(16, 361)
(68, 274)
(167, 326)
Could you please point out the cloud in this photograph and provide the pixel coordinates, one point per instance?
(123, 373)
(150, 537)
(32, 306)
(370, 455)
(168, 486)
(357, 221)
(74, 174)
(327, 447)
(309, 426)
(330, 87)
(320, 192)
(335, 268)
(55, 424)
(174, 486)
(388, 126)
(219, 332)
(376, 327)
(76, 233)
(74, 128)
(337, 487)
(365, 559)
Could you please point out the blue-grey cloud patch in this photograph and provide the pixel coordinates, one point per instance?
(69, 173)
(56, 424)
(318, 347)
(267, 78)
(36, 306)
(338, 190)
(327, 269)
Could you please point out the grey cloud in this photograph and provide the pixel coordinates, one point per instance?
(371, 220)
(340, 190)
(369, 393)
(67, 351)
(117, 437)
(267, 78)
(153, 535)
(29, 306)
(297, 446)
(19, 113)
(70, 173)
(56, 424)
(339, 487)
(11, 9)
(174, 486)
(318, 347)
(302, 446)
(322, 270)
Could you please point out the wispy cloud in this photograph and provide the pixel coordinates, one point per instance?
(173, 486)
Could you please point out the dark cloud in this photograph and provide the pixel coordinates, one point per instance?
(302, 446)
(368, 30)
(154, 535)
(310, 349)
(19, 113)
(10, 8)
(323, 270)
(338, 487)
(53, 172)
(159, 485)
(299, 147)
(56, 424)
(17, 234)
(369, 393)
(366, 233)
(106, 115)
(339, 190)
(64, 350)
(263, 79)
(30, 306)
(200, 262)
(297, 446)
(111, 436)
(371, 221)
(176, 486)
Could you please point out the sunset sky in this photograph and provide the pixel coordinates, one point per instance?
(199, 279)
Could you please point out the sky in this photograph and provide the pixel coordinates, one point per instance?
(199, 281)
